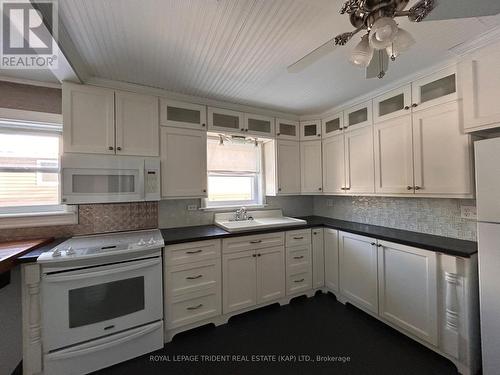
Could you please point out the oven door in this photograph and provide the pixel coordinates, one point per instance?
(88, 303)
(95, 185)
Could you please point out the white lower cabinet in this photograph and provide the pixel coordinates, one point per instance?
(408, 289)
(270, 274)
(299, 271)
(358, 270)
(318, 258)
(239, 280)
(192, 283)
(331, 244)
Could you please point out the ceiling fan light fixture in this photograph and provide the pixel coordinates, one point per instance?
(362, 54)
(383, 32)
(402, 42)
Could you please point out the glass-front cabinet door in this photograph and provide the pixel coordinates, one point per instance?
(437, 88)
(226, 120)
(332, 125)
(259, 125)
(183, 115)
(358, 116)
(287, 129)
(310, 130)
(392, 104)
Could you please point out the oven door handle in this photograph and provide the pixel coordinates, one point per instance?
(120, 268)
(108, 342)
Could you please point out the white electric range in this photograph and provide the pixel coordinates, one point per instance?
(101, 299)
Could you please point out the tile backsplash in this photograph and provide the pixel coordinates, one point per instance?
(174, 213)
(94, 218)
(427, 215)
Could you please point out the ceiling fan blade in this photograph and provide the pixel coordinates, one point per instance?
(378, 66)
(452, 9)
(312, 57)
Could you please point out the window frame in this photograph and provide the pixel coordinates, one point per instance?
(258, 188)
(35, 215)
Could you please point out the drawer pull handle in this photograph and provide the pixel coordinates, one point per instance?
(256, 241)
(194, 251)
(299, 257)
(298, 281)
(193, 277)
(298, 238)
(194, 307)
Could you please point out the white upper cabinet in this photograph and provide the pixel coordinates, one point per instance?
(359, 167)
(183, 162)
(408, 289)
(437, 88)
(481, 88)
(392, 104)
(442, 153)
(102, 121)
(259, 125)
(288, 166)
(310, 166)
(333, 164)
(358, 116)
(332, 125)
(137, 124)
(310, 130)
(183, 115)
(358, 270)
(88, 119)
(394, 155)
(287, 129)
(226, 120)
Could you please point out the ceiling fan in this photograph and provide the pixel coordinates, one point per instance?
(384, 39)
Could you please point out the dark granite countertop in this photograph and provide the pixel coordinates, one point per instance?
(446, 245)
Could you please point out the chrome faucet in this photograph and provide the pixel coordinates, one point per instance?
(241, 214)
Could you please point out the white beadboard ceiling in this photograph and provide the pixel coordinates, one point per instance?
(238, 50)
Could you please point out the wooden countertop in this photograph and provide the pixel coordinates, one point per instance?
(11, 250)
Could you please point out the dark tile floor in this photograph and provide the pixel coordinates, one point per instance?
(300, 331)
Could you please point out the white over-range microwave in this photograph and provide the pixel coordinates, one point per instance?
(109, 179)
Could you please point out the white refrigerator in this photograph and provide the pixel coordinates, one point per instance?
(488, 215)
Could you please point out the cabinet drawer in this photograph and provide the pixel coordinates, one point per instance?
(298, 282)
(191, 252)
(192, 277)
(298, 259)
(193, 307)
(298, 237)
(259, 241)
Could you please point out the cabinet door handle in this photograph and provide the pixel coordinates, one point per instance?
(320, 189)
(298, 281)
(119, 148)
(256, 241)
(203, 125)
(373, 244)
(407, 107)
(204, 190)
(194, 307)
(254, 255)
(194, 251)
(246, 130)
(348, 188)
(242, 129)
(279, 189)
(409, 187)
(379, 245)
(414, 105)
(343, 188)
(278, 134)
(259, 255)
(193, 277)
(298, 238)
(299, 257)
(111, 148)
(319, 135)
(418, 188)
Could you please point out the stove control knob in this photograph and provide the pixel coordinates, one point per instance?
(56, 252)
(70, 251)
(151, 241)
(141, 242)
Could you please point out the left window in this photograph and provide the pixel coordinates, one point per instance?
(30, 172)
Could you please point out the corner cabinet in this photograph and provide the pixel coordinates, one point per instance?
(287, 129)
(358, 270)
(310, 130)
(414, 307)
(103, 121)
(186, 148)
(481, 88)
